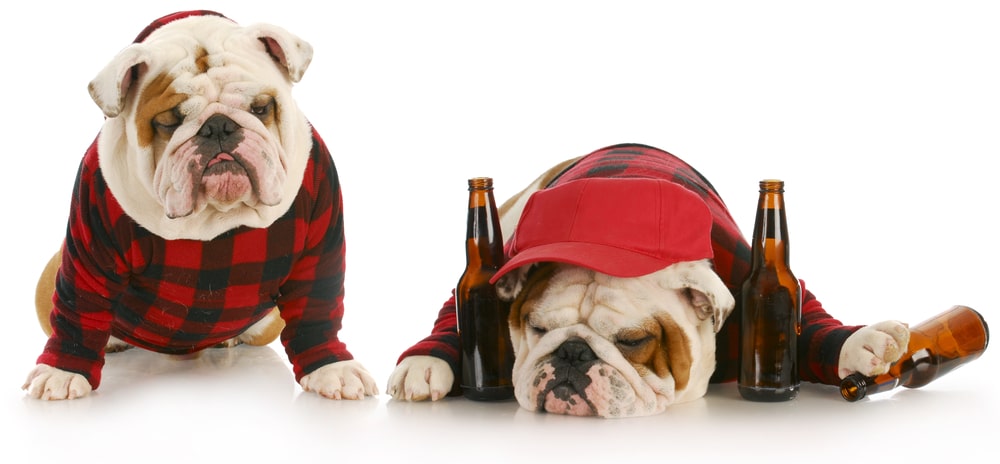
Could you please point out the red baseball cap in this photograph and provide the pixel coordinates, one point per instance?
(625, 227)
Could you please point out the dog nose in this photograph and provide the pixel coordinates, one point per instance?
(220, 134)
(218, 127)
(575, 351)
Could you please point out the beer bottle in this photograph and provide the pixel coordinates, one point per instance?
(483, 330)
(937, 346)
(772, 304)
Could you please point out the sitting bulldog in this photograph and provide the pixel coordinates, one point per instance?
(206, 213)
(623, 267)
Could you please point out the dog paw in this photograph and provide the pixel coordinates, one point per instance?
(49, 383)
(418, 378)
(347, 380)
(872, 349)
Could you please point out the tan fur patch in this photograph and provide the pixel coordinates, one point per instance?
(535, 284)
(44, 290)
(272, 118)
(669, 351)
(156, 98)
(264, 331)
(201, 60)
(675, 348)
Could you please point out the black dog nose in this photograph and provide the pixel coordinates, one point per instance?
(575, 351)
(220, 134)
(218, 127)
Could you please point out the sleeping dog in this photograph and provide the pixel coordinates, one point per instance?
(623, 268)
(206, 213)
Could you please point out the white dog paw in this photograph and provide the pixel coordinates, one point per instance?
(49, 383)
(347, 380)
(872, 349)
(418, 378)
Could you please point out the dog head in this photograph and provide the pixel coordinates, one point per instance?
(592, 344)
(615, 304)
(202, 134)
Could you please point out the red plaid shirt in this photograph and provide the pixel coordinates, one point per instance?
(822, 335)
(180, 296)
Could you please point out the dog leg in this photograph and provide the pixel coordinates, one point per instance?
(45, 289)
(264, 331)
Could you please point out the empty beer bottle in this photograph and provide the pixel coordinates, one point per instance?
(937, 346)
(771, 300)
(483, 330)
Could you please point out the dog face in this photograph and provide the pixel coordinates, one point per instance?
(590, 344)
(202, 133)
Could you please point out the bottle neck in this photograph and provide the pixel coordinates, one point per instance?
(856, 386)
(770, 235)
(484, 240)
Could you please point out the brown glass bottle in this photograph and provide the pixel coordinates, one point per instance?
(483, 330)
(771, 300)
(937, 346)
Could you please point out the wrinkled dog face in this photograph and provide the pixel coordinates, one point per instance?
(202, 130)
(213, 155)
(591, 344)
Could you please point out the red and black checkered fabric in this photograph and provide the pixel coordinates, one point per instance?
(180, 296)
(822, 335)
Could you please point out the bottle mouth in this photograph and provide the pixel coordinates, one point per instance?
(480, 183)
(772, 185)
(854, 387)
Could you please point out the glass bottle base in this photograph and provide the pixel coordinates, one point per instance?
(488, 393)
(769, 394)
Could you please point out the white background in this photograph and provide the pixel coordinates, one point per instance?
(882, 118)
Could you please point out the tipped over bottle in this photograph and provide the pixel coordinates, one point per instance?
(937, 346)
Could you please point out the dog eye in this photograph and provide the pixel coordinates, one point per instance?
(539, 331)
(262, 109)
(633, 342)
(167, 121)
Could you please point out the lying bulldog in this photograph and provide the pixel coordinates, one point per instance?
(622, 273)
(206, 213)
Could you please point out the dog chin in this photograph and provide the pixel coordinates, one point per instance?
(227, 183)
(229, 189)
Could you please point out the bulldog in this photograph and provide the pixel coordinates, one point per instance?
(622, 274)
(207, 213)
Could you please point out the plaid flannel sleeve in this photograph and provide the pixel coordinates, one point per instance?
(312, 299)
(90, 273)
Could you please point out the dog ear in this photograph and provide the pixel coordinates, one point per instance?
(522, 283)
(674, 354)
(511, 284)
(289, 51)
(111, 85)
(708, 294)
